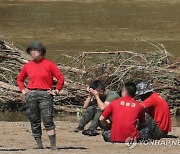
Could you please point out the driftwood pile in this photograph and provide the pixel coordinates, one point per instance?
(112, 68)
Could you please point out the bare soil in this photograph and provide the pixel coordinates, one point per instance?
(16, 138)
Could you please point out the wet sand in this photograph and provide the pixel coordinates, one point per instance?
(16, 138)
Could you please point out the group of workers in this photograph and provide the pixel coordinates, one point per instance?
(118, 115)
(124, 117)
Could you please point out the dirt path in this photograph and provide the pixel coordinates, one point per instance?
(15, 137)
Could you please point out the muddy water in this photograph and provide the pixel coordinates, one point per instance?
(72, 26)
(21, 116)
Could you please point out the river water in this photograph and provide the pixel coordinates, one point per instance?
(69, 27)
(21, 116)
(72, 26)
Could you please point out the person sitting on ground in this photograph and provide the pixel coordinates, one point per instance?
(96, 102)
(158, 115)
(125, 113)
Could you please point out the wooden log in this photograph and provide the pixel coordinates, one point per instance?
(110, 52)
(13, 48)
(167, 87)
(22, 61)
(9, 87)
(72, 69)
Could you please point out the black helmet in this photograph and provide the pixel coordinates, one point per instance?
(36, 46)
(143, 88)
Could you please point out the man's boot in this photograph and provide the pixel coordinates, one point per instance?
(39, 143)
(52, 139)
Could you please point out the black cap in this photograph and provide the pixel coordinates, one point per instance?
(36, 46)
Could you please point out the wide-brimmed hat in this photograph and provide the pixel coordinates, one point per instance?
(143, 88)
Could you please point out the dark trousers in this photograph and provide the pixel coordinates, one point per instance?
(39, 104)
(91, 113)
(106, 135)
(149, 130)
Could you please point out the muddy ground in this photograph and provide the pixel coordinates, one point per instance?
(15, 137)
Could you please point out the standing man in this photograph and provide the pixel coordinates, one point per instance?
(95, 103)
(39, 93)
(125, 113)
(158, 115)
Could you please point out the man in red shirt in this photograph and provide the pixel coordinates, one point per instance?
(158, 114)
(38, 92)
(125, 113)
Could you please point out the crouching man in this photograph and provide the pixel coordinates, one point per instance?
(99, 97)
(158, 117)
(125, 113)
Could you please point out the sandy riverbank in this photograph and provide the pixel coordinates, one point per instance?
(16, 138)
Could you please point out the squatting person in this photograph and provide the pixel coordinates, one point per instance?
(158, 117)
(125, 113)
(39, 93)
(99, 97)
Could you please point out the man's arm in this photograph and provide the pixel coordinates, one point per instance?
(56, 72)
(105, 115)
(59, 76)
(101, 105)
(20, 80)
(86, 102)
(103, 121)
(148, 103)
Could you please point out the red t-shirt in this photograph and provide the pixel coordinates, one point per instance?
(159, 110)
(124, 111)
(40, 75)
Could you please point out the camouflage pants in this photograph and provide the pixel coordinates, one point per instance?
(106, 135)
(91, 113)
(39, 104)
(150, 130)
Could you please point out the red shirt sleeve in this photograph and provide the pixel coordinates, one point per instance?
(21, 77)
(59, 76)
(148, 103)
(108, 111)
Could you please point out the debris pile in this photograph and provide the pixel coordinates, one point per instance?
(113, 68)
